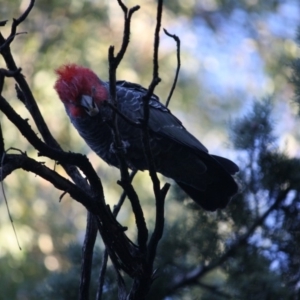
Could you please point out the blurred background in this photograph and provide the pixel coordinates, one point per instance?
(232, 53)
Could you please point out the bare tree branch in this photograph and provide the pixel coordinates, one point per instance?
(3, 190)
(156, 38)
(123, 253)
(87, 256)
(126, 33)
(125, 180)
(159, 195)
(120, 248)
(177, 40)
(16, 22)
(102, 275)
(12, 162)
(44, 150)
(3, 23)
(105, 255)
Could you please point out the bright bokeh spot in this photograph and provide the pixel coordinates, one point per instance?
(45, 243)
(51, 263)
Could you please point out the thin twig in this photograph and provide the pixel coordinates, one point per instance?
(125, 181)
(156, 38)
(159, 199)
(126, 33)
(177, 40)
(146, 99)
(117, 207)
(9, 73)
(8, 41)
(102, 275)
(3, 23)
(6, 73)
(122, 294)
(17, 22)
(5, 198)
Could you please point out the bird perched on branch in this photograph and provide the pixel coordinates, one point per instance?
(176, 153)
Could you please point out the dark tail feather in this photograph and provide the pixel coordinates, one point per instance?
(227, 164)
(217, 194)
(220, 187)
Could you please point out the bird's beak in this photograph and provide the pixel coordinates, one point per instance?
(89, 105)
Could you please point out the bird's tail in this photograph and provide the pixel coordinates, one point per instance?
(220, 189)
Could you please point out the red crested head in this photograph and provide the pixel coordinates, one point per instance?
(79, 88)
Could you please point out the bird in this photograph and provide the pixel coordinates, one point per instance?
(177, 154)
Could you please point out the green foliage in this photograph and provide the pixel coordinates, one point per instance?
(255, 129)
(249, 277)
(279, 171)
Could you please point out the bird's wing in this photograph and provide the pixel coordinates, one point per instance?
(167, 125)
(161, 121)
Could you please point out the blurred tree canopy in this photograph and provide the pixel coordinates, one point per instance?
(233, 52)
